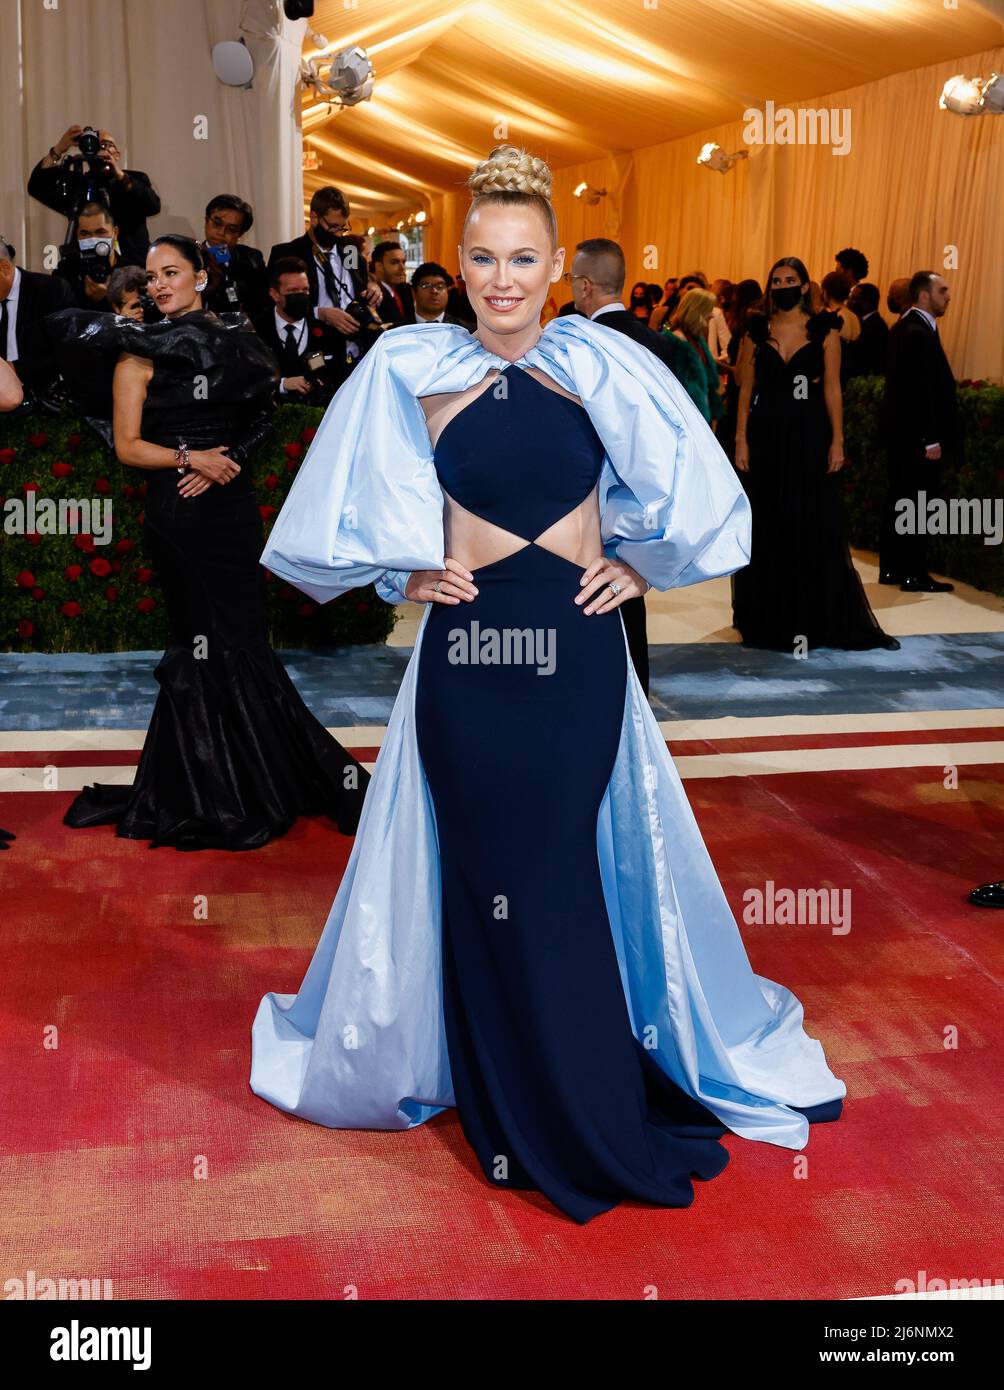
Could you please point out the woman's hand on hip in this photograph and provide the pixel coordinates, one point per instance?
(607, 583)
(449, 585)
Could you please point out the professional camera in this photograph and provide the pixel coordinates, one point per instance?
(366, 316)
(90, 256)
(89, 142)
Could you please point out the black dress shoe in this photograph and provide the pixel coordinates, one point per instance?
(924, 584)
(889, 644)
(887, 577)
(988, 895)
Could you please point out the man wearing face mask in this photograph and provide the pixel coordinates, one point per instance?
(308, 352)
(336, 273)
(89, 257)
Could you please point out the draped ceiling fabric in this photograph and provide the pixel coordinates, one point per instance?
(143, 70)
(623, 93)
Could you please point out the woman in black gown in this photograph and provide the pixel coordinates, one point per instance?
(232, 756)
(800, 589)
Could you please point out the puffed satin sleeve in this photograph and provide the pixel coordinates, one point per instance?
(365, 506)
(671, 505)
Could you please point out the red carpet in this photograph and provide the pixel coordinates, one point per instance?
(108, 1132)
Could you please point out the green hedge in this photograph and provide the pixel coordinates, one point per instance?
(979, 474)
(66, 593)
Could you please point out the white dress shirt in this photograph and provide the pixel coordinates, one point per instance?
(10, 347)
(614, 307)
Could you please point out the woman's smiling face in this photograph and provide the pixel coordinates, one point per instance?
(507, 264)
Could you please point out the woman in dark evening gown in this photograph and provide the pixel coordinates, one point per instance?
(800, 589)
(232, 756)
(551, 950)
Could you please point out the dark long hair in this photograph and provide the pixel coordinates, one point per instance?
(748, 295)
(804, 278)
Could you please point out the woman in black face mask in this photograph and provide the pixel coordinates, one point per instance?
(800, 589)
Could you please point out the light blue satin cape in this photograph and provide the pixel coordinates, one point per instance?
(363, 1045)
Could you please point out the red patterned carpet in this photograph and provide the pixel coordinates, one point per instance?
(110, 1130)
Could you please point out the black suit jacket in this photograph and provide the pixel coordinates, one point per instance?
(624, 322)
(37, 296)
(248, 276)
(871, 351)
(921, 401)
(303, 248)
(388, 310)
(319, 338)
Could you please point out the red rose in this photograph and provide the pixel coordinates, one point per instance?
(306, 610)
(267, 513)
(29, 487)
(71, 609)
(141, 518)
(24, 628)
(85, 541)
(8, 455)
(73, 573)
(142, 489)
(61, 469)
(38, 595)
(271, 482)
(146, 605)
(39, 441)
(307, 434)
(129, 490)
(100, 567)
(102, 485)
(72, 441)
(116, 566)
(26, 580)
(144, 575)
(123, 547)
(317, 332)
(111, 593)
(293, 451)
(33, 538)
(292, 465)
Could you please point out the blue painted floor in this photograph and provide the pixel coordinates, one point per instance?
(357, 685)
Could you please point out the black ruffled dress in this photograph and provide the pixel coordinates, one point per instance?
(232, 756)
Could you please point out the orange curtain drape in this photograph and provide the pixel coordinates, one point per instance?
(919, 189)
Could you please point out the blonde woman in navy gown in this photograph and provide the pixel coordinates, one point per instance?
(529, 927)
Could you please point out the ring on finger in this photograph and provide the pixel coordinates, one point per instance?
(614, 588)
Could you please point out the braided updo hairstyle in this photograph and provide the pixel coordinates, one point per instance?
(515, 177)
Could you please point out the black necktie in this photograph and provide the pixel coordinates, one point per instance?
(3, 330)
(330, 283)
(290, 350)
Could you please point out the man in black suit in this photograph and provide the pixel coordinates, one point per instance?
(397, 305)
(872, 347)
(336, 269)
(597, 283)
(430, 286)
(237, 276)
(311, 356)
(920, 427)
(130, 195)
(25, 299)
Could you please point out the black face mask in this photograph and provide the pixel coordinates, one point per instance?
(324, 237)
(297, 306)
(787, 297)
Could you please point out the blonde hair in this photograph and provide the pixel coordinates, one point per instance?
(510, 176)
(693, 312)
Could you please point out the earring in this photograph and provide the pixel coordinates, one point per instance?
(201, 286)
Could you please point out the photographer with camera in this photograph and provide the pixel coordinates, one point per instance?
(311, 355)
(88, 258)
(65, 182)
(340, 293)
(237, 275)
(129, 296)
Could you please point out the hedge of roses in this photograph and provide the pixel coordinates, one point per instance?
(66, 592)
(979, 473)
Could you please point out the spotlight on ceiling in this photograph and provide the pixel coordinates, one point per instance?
(973, 96)
(589, 195)
(714, 157)
(343, 79)
(420, 216)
